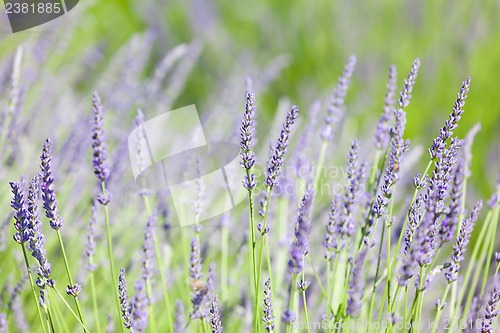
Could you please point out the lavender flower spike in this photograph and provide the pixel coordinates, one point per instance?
(20, 221)
(215, 321)
(491, 308)
(4, 325)
(337, 100)
(382, 135)
(126, 307)
(148, 249)
(268, 307)
(463, 239)
(356, 285)
(247, 130)
(48, 188)
(179, 317)
(405, 95)
(90, 244)
(300, 247)
(139, 308)
(100, 164)
(278, 157)
(451, 124)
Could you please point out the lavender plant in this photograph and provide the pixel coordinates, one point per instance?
(394, 250)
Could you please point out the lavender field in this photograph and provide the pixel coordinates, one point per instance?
(206, 169)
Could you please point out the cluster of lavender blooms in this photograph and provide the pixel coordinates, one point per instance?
(360, 234)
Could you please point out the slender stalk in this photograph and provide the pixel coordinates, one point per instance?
(475, 252)
(224, 260)
(94, 300)
(66, 265)
(111, 260)
(71, 310)
(159, 262)
(495, 218)
(374, 289)
(261, 250)
(32, 285)
(440, 308)
(152, 321)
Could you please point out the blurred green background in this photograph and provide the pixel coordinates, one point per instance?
(453, 40)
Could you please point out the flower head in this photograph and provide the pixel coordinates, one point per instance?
(48, 188)
(100, 164)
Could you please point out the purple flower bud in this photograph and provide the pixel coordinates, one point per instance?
(491, 311)
(48, 187)
(20, 220)
(450, 221)
(382, 135)
(288, 316)
(462, 240)
(148, 253)
(140, 308)
(405, 95)
(337, 100)
(278, 157)
(247, 130)
(4, 324)
(74, 290)
(356, 285)
(451, 124)
(100, 164)
(300, 247)
(179, 317)
(215, 321)
(268, 318)
(90, 244)
(126, 307)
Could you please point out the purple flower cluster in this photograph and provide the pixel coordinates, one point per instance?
(450, 221)
(268, 317)
(278, 157)
(126, 307)
(140, 302)
(337, 100)
(247, 130)
(356, 285)
(491, 308)
(48, 187)
(405, 95)
(148, 249)
(100, 164)
(382, 136)
(341, 224)
(462, 240)
(22, 234)
(451, 124)
(215, 321)
(90, 244)
(300, 247)
(179, 317)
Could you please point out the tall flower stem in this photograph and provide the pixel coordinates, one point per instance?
(111, 259)
(35, 298)
(269, 191)
(440, 308)
(94, 299)
(66, 265)
(70, 309)
(159, 262)
(252, 233)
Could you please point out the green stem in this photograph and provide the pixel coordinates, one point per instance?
(440, 309)
(374, 289)
(94, 298)
(71, 310)
(32, 285)
(152, 321)
(111, 259)
(66, 265)
(159, 262)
